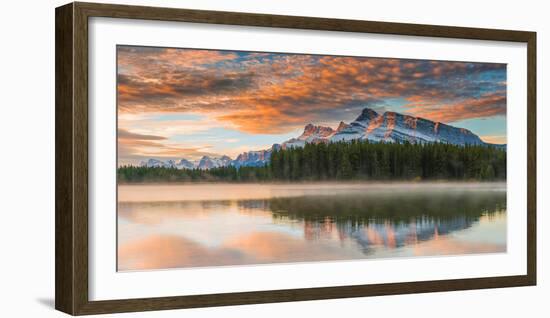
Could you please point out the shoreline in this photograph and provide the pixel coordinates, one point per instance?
(404, 182)
(257, 191)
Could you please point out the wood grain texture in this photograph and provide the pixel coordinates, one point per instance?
(229, 299)
(72, 158)
(532, 158)
(64, 235)
(297, 22)
(80, 144)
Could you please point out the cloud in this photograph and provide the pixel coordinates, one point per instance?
(125, 134)
(488, 105)
(133, 90)
(134, 146)
(153, 135)
(494, 139)
(275, 93)
(167, 127)
(159, 59)
(145, 150)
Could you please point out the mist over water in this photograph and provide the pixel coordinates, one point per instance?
(174, 226)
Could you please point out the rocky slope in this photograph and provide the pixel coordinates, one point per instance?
(369, 125)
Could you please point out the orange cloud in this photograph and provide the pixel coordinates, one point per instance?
(485, 106)
(274, 93)
(151, 58)
(133, 145)
(494, 139)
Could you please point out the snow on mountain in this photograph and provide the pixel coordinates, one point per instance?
(395, 127)
(386, 127)
(356, 130)
(341, 127)
(312, 134)
(253, 158)
(185, 164)
(207, 162)
(154, 163)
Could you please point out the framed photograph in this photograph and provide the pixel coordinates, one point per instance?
(219, 158)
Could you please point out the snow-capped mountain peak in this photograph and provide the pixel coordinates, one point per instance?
(256, 158)
(341, 126)
(185, 164)
(367, 115)
(369, 125)
(155, 163)
(312, 132)
(396, 127)
(207, 162)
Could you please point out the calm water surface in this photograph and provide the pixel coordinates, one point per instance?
(174, 226)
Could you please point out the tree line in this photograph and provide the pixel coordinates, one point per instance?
(355, 160)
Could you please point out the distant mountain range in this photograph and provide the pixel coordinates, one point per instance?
(386, 127)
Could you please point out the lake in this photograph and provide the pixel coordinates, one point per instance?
(197, 225)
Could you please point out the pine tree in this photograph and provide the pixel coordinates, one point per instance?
(360, 160)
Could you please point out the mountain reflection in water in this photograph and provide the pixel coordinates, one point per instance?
(311, 227)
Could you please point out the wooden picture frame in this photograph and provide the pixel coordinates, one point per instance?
(71, 259)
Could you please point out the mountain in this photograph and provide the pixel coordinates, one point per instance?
(312, 134)
(396, 127)
(154, 163)
(369, 125)
(342, 126)
(207, 162)
(185, 164)
(253, 158)
(387, 127)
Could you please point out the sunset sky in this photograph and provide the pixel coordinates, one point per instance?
(186, 103)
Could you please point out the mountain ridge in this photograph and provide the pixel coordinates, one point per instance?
(389, 126)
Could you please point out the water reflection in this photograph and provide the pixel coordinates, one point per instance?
(311, 227)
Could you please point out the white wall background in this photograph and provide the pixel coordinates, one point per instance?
(27, 158)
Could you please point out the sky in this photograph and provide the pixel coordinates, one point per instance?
(186, 103)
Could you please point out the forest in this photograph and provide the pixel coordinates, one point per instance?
(347, 161)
